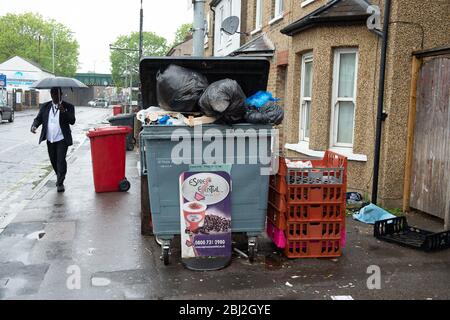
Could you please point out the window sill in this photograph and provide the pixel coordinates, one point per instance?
(303, 148)
(348, 152)
(306, 2)
(276, 19)
(255, 31)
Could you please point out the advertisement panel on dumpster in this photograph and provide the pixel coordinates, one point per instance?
(205, 214)
(2, 80)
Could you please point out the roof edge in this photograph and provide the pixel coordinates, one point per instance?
(310, 20)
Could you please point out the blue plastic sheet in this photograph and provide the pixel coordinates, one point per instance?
(371, 214)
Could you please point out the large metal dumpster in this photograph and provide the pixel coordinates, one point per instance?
(163, 168)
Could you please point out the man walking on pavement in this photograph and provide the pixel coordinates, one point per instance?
(56, 116)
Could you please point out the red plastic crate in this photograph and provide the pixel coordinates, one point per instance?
(277, 217)
(313, 249)
(278, 183)
(330, 162)
(319, 194)
(315, 212)
(314, 230)
(277, 200)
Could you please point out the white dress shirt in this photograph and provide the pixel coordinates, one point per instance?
(54, 133)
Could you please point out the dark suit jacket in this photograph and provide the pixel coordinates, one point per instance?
(65, 120)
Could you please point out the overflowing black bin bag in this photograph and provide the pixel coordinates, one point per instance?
(270, 113)
(179, 89)
(225, 100)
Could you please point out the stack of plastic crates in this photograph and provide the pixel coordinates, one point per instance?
(306, 211)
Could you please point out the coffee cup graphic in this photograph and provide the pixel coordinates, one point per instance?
(194, 214)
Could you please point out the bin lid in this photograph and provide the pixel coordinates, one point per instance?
(106, 131)
(123, 116)
(251, 73)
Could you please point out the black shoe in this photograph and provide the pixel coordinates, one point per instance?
(61, 188)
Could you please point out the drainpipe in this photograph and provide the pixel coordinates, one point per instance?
(381, 116)
(199, 28)
(141, 40)
(141, 29)
(213, 29)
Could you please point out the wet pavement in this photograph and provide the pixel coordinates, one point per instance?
(83, 245)
(24, 164)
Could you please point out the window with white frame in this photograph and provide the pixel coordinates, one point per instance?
(306, 2)
(259, 14)
(306, 96)
(221, 18)
(344, 97)
(278, 9)
(208, 28)
(229, 14)
(224, 43)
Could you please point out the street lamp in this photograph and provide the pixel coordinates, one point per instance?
(128, 68)
(53, 52)
(122, 49)
(141, 27)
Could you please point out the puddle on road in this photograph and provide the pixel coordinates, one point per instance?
(46, 171)
(38, 235)
(273, 261)
(100, 282)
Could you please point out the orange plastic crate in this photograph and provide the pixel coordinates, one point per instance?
(277, 217)
(319, 194)
(277, 199)
(313, 249)
(315, 212)
(330, 161)
(314, 230)
(278, 183)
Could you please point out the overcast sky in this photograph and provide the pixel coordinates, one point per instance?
(97, 23)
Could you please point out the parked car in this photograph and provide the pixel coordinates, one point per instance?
(102, 103)
(98, 103)
(6, 112)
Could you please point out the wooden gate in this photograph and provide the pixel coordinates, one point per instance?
(430, 171)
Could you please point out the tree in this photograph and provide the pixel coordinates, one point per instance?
(123, 61)
(30, 36)
(182, 32)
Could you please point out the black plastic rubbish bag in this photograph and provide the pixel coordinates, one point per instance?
(179, 89)
(225, 100)
(270, 113)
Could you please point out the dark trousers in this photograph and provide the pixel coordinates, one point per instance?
(57, 152)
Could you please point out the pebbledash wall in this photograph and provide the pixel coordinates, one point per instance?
(415, 25)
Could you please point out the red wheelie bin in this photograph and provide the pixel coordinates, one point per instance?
(117, 110)
(108, 158)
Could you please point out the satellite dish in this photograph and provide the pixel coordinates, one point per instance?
(230, 25)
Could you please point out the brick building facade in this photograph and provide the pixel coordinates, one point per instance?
(325, 67)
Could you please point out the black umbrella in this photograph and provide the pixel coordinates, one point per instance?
(61, 82)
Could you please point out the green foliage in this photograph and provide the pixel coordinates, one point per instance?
(182, 32)
(124, 61)
(398, 212)
(30, 36)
